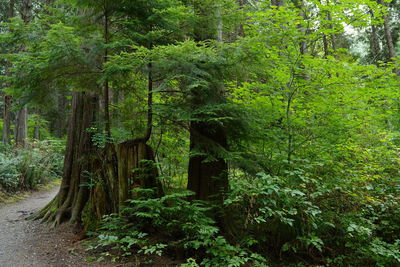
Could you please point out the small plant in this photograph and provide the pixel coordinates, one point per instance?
(99, 137)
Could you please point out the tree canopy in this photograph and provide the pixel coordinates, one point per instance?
(217, 133)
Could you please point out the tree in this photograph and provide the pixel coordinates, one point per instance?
(111, 165)
(21, 125)
(208, 170)
(260, 108)
(7, 98)
(389, 40)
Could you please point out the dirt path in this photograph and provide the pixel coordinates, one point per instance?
(29, 243)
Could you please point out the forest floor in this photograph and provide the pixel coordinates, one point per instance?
(30, 243)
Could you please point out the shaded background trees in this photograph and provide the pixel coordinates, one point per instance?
(266, 110)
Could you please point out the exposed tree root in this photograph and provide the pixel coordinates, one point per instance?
(103, 179)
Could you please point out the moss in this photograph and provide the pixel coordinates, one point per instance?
(90, 221)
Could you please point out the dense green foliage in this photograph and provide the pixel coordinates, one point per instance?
(305, 94)
(26, 169)
(173, 219)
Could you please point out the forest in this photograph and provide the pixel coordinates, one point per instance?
(208, 132)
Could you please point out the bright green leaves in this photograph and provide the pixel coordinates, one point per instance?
(309, 99)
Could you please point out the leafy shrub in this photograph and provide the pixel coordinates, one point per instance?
(9, 175)
(26, 169)
(307, 213)
(319, 220)
(180, 224)
(279, 214)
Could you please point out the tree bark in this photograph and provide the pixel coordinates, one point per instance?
(208, 178)
(388, 37)
(303, 43)
(102, 178)
(36, 130)
(11, 7)
(6, 120)
(78, 163)
(124, 167)
(374, 41)
(219, 26)
(106, 83)
(26, 11)
(149, 127)
(21, 127)
(389, 40)
(242, 4)
(6, 135)
(332, 37)
(208, 173)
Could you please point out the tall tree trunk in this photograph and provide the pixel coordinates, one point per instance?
(389, 40)
(78, 163)
(219, 25)
(62, 120)
(106, 95)
(6, 120)
(36, 129)
(374, 41)
(6, 135)
(26, 11)
(21, 125)
(303, 43)
(100, 179)
(388, 37)
(331, 37)
(208, 178)
(208, 174)
(242, 4)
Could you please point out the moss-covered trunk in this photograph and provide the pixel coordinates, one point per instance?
(102, 178)
(78, 163)
(124, 167)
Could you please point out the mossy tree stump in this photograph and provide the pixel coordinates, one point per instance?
(102, 178)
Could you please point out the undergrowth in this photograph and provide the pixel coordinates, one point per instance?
(173, 226)
(302, 217)
(26, 169)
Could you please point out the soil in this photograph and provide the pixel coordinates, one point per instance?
(31, 243)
